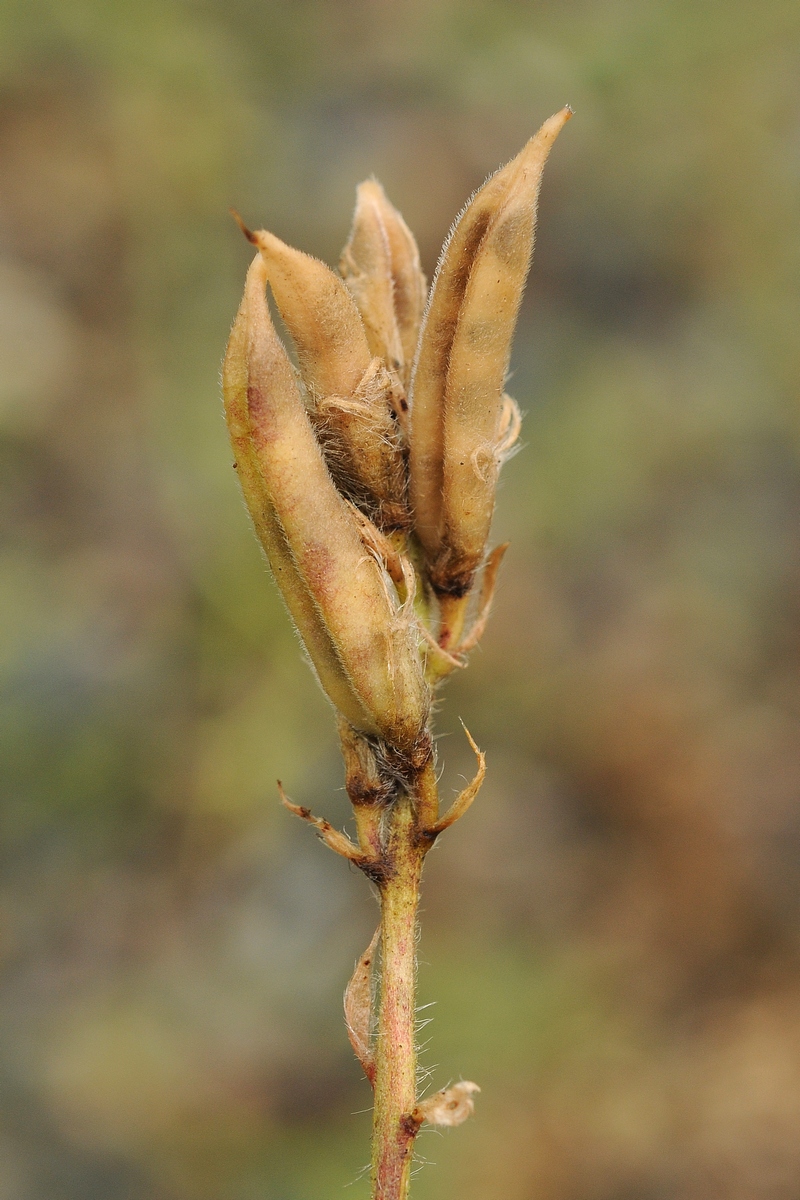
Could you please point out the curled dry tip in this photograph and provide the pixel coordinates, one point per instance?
(248, 233)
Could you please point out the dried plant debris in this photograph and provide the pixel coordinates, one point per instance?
(450, 1106)
(358, 1008)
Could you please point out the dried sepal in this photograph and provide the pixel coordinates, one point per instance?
(488, 585)
(450, 1106)
(380, 265)
(465, 798)
(457, 423)
(439, 663)
(384, 550)
(335, 840)
(358, 1008)
(364, 622)
(449, 650)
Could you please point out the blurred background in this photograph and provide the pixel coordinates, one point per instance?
(610, 938)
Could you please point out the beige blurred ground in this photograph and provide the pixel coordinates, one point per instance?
(611, 937)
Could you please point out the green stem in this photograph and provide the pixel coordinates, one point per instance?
(395, 1047)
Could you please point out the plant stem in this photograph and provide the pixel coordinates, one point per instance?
(394, 1129)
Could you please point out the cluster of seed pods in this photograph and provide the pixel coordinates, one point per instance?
(370, 468)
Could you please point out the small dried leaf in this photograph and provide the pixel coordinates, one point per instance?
(451, 1106)
(358, 1008)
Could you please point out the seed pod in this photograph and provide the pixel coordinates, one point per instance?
(352, 397)
(360, 643)
(380, 265)
(304, 613)
(320, 315)
(457, 423)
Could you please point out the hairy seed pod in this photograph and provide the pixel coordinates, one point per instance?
(354, 400)
(380, 265)
(320, 315)
(302, 609)
(457, 416)
(359, 639)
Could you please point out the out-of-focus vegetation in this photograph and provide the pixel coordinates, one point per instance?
(611, 936)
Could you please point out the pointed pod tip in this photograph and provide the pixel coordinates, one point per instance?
(553, 125)
(275, 251)
(534, 153)
(248, 233)
(370, 187)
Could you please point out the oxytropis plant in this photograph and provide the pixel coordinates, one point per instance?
(370, 473)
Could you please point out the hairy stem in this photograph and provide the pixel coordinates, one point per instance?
(394, 1128)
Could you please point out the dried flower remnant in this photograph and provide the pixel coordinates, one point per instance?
(370, 477)
(450, 1106)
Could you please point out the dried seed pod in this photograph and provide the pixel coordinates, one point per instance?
(302, 609)
(345, 609)
(458, 429)
(320, 315)
(380, 265)
(354, 400)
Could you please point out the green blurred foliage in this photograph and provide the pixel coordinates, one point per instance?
(610, 938)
